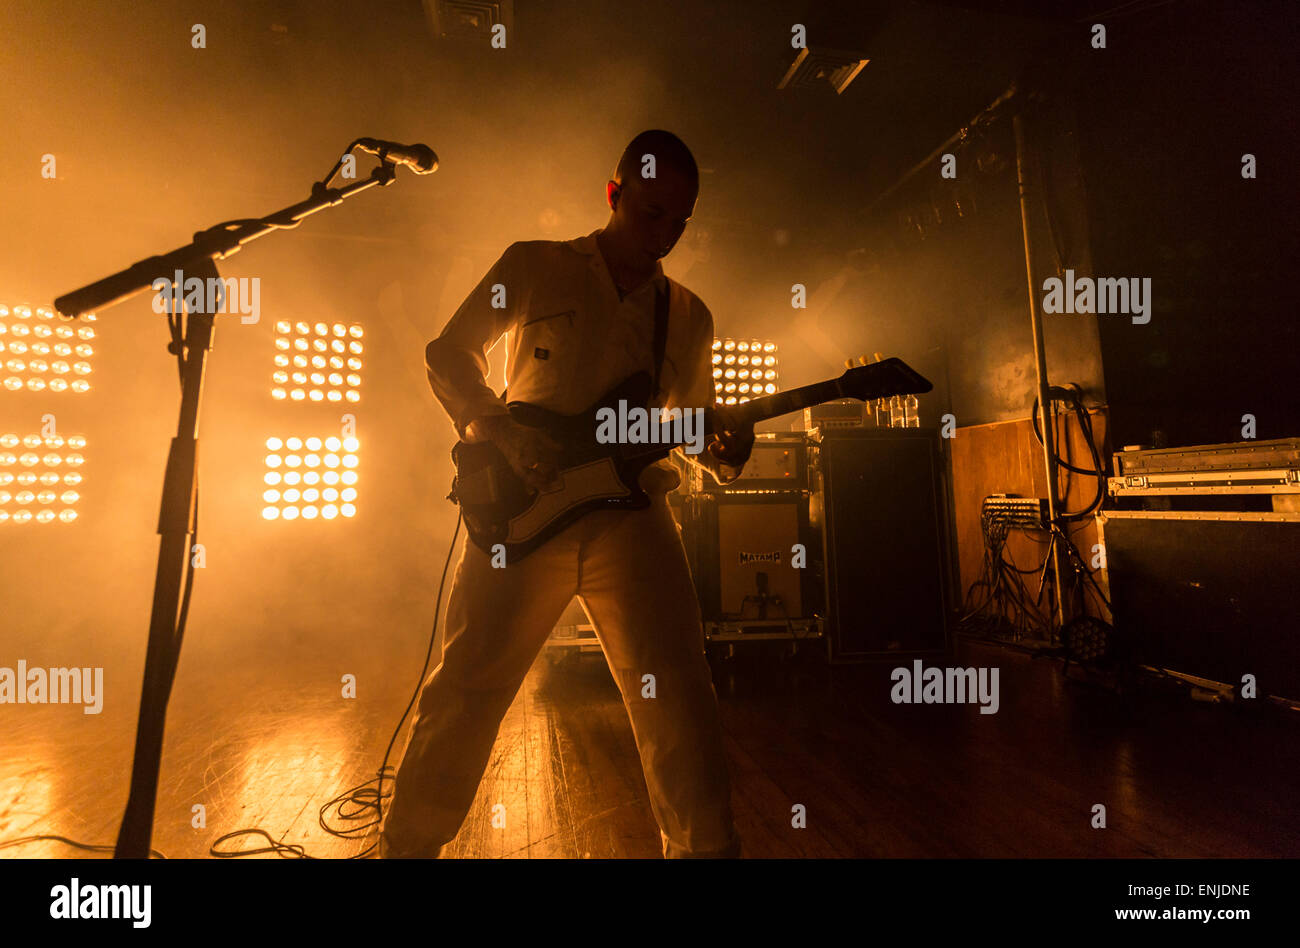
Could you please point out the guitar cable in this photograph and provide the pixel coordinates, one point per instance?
(362, 800)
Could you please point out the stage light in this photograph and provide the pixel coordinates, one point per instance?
(37, 347)
(46, 471)
(316, 362)
(320, 346)
(319, 474)
(746, 361)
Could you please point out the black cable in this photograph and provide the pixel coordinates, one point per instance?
(178, 343)
(1071, 396)
(362, 797)
(1007, 601)
(1085, 423)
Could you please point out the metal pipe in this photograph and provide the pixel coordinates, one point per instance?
(1040, 370)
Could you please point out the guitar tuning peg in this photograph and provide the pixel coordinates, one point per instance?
(863, 360)
(848, 363)
(879, 357)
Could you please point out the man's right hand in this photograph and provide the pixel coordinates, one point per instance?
(533, 455)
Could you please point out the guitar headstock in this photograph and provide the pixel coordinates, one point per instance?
(882, 379)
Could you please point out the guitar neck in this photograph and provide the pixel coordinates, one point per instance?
(752, 412)
(867, 382)
(783, 403)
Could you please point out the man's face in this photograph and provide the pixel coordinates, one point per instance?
(653, 212)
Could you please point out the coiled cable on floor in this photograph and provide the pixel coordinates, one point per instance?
(362, 805)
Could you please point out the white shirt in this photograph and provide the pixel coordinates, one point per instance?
(571, 339)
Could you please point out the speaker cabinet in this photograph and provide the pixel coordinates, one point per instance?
(741, 549)
(880, 502)
(755, 542)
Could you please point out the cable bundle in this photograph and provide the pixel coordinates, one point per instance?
(1008, 609)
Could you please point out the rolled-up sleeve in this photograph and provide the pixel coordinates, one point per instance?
(457, 362)
(694, 389)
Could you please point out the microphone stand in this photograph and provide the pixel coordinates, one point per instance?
(177, 517)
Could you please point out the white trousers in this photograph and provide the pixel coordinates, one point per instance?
(629, 570)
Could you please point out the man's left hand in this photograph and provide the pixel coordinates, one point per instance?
(733, 439)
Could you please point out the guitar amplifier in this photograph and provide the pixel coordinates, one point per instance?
(841, 413)
(742, 553)
(879, 499)
(779, 462)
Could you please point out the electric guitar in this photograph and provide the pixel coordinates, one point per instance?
(500, 508)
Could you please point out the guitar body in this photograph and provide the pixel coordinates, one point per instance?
(499, 508)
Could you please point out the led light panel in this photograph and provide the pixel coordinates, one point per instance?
(317, 362)
(744, 369)
(310, 478)
(41, 351)
(40, 478)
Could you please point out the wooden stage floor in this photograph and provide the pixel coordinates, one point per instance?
(1177, 778)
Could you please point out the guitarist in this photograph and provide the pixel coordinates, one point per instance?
(581, 316)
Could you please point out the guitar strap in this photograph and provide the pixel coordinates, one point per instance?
(661, 333)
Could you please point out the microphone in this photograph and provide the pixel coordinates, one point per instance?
(419, 158)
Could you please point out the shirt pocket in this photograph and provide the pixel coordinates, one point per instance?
(548, 343)
(537, 316)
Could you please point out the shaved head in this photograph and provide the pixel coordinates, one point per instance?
(667, 150)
